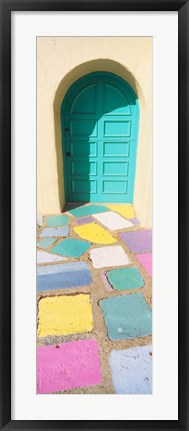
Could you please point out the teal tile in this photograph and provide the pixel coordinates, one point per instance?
(127, 316)
(59, 220)
(125, 278)
(71, 247)
(46, 242)
(88, 210)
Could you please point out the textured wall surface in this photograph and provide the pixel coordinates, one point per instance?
(61, 61)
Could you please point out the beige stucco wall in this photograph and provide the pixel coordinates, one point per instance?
(62, 60)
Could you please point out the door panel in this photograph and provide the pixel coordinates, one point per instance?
(112, 149)
(79, 128)
(116, 128)
(85, 101)
(100, 130)
(115, 168)
(83, 148)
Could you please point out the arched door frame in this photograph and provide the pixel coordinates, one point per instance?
(69, 96)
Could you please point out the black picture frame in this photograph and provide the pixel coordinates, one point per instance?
(6, 7)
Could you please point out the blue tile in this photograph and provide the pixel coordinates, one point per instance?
(132, 370)
(55, 231)
(74, 274)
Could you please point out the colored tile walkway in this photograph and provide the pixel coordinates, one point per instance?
(125, 210)
(87, 210)
(39, 220)
(146, 261)
(109, 256)
(95, 233)
(85, 220)
(100, 254)
(71, 247)
(46, 242)
(45, 257)
(125, 278)
(132, 370)
(138, 241)
(127, 316)
(63, 315)
(68, 275)
(113, 221)
(68, 366)
(55, 231)
(59, 220)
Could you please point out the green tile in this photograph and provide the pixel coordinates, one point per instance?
(71, 247)
(59, 220)
(88, 210)
(125, 278)
(127, 316)
(46, 242)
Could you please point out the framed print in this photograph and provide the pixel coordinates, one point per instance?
(94, 300)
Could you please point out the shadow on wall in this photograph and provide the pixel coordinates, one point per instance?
(86, 189)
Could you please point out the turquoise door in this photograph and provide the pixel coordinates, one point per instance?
(100, 117)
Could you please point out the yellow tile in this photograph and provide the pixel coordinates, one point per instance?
(94, 233)
(63, 315)
(125, 210)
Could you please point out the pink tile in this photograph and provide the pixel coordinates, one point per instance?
(68, 366)
(146, 262)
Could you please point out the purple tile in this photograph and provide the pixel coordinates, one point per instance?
(85, 220)
(134, 220)
(105, 282)
(139, 241)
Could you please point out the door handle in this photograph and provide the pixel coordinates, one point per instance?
(68, 154)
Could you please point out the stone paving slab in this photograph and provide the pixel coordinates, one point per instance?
(146, 261)
(109, 256)
(119, 317)
(68, 275)
(85, 220)
(87, 210)
(107, 285)
(71, 247)
(126, 210)
(125, 278)
(45, 257)
(59, 220)
(113, 221)
(139, 241)
(135, 221)
(39, 220)
(46, 242)
(64, 315)
(55, 231)
(68, 366)
(127, 316)
(95, 233)
(132, 370)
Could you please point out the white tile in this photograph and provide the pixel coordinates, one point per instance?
(112, 220)
(109, 256)
(39, 220)
(45, 257)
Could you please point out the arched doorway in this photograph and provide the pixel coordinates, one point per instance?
(100, 117)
